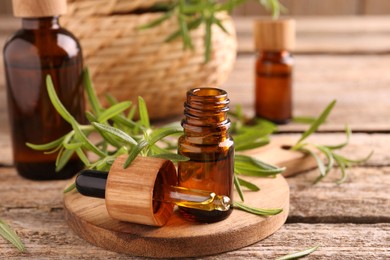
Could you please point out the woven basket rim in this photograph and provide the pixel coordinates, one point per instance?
(110, 7)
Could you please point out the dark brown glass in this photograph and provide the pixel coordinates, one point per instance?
(273, 89)
(207, 143)
(41, 47)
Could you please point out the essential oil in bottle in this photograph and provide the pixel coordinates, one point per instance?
(40, 48)
(274, 39)
(206, 141)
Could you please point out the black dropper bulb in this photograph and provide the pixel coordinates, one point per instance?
(92, 183)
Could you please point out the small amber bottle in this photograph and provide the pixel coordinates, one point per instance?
(206, 141)
(41, 47)
(274, 39)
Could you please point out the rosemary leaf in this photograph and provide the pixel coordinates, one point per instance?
(343, 165)
(250, 166)
(172, 157)
(208, 37)
(238, 187)
(329, 156)
(157, 21)
(116, 132)
(256, 211)
(135, 152)
(247, 184)
(68, 117)
(57, 103)
(113, 111)
(303, 119)
(69, 188)
(83, 157)
(313, 127)
(63, 158)
(320, 163)
(348, 133)
(7, 233)
(48, 146)
(300, 254)
(159, 134)
(143, 113)
(220, 25)
(91, 94)
(191, 26)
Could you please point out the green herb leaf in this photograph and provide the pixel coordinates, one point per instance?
(7, 233)
(91, 94)
(63, 158)
(343, 165)
(48, 146)
(303, 120)
(143, 112)
(71, 187)
(208, 36)
(313, 128)
(113, 111)
(299, 254)
(348, 133)
(320, 163)
(116, 132)
(57, 103)
(172, 157)
(247, 184)
(161, 133)
(256, 211)
(238, 187)
(68, 117)
(135, 152)
(157, 21)
(247, 165)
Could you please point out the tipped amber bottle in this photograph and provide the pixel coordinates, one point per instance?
(41, 47)
(206, 141)
(274, 39)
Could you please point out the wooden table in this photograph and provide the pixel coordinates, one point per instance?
(343, 58)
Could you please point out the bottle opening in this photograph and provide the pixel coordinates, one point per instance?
(208, 92)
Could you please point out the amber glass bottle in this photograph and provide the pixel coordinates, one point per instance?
(206, 141)
(273, 72)
(41, 47)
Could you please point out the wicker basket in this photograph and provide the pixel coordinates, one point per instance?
(127, 62)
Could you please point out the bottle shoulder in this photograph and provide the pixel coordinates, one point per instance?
(41, 43)
(282, 57)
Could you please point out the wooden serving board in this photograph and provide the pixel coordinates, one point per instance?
(88, 217)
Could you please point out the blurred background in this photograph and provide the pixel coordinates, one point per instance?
(297, 7)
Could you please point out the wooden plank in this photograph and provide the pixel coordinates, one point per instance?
(6, 7)
(341, 35)
(38, 217)
(307, 7)
(46, 235)
(359, 83)
(381, 7)
(13, 194)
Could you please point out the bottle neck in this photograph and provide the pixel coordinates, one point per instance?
(274, 54)
(205, 113)
(41, 23)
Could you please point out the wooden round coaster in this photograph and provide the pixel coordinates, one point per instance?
(88, 217)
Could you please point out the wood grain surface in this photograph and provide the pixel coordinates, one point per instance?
(88, 217)
(342, 57)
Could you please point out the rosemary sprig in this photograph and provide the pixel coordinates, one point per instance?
(7, 233)
(299, 254)
(120, 134)
(192, 14)
(125, 137)
(329, 151)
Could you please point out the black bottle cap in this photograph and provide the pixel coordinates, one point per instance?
(92, 183)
